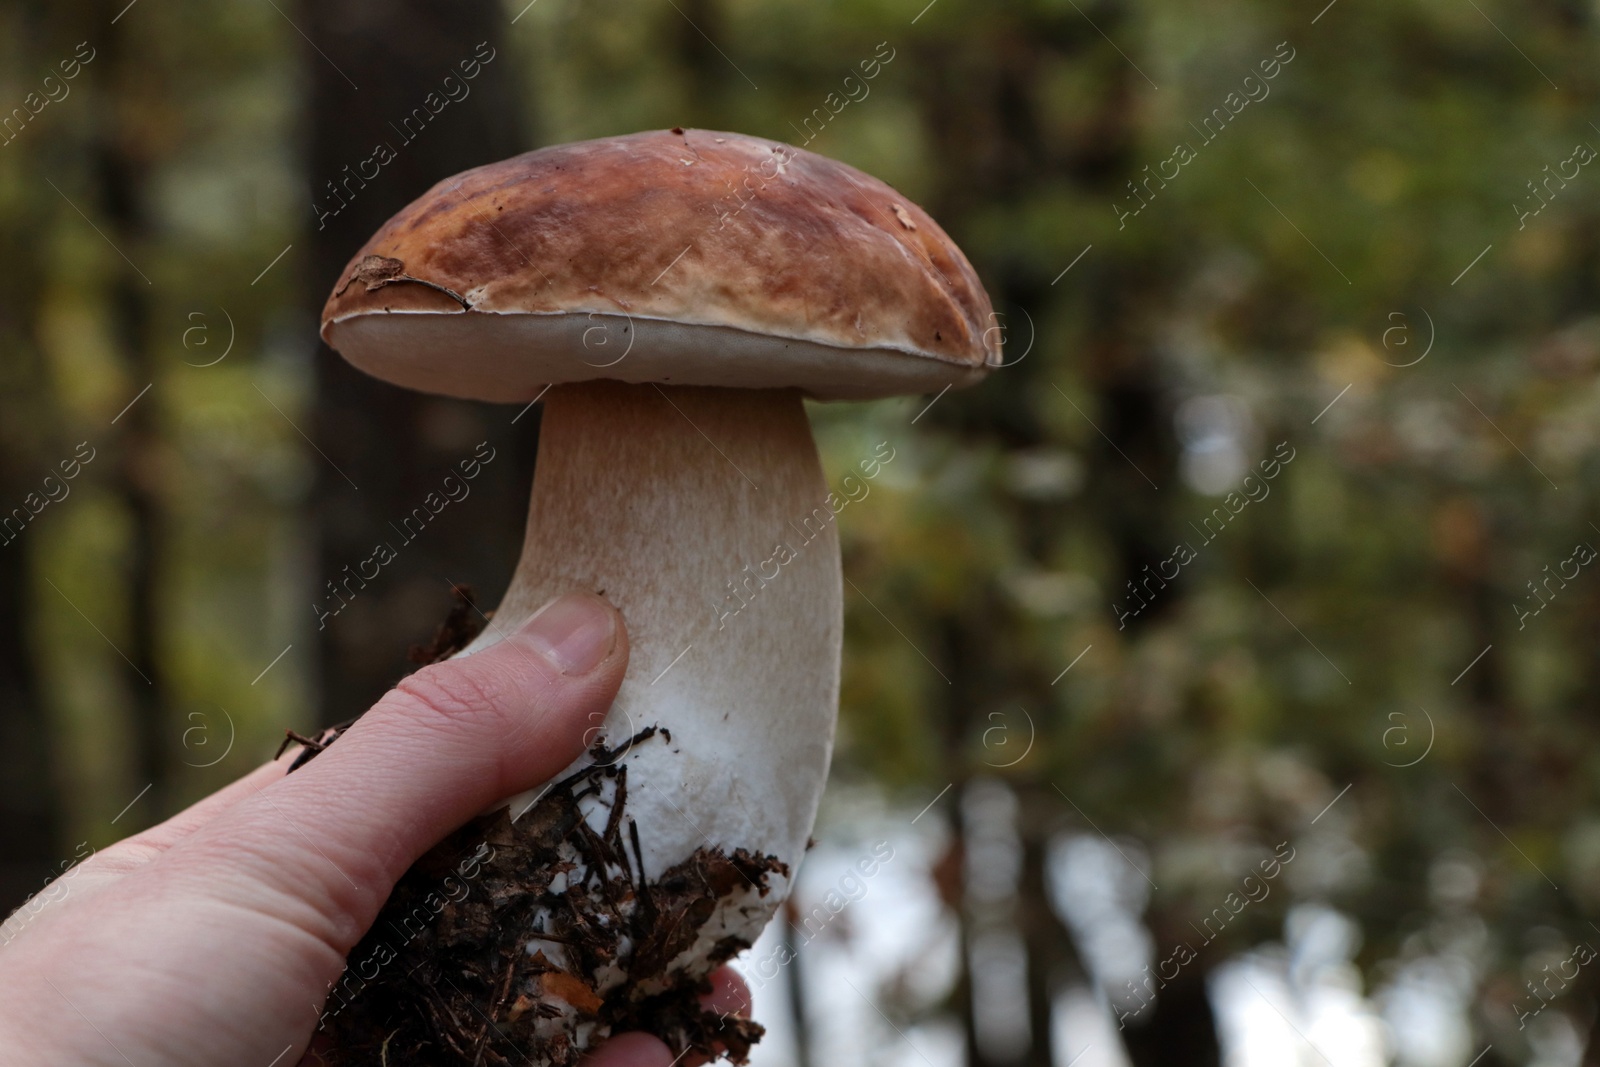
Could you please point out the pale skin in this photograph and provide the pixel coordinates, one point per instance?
(213, 937)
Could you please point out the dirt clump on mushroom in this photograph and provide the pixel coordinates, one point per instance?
(486, 950)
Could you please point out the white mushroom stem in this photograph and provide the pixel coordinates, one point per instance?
(700, 514)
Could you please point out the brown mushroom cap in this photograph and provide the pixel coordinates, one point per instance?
(688, 257)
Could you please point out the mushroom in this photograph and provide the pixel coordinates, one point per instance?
(673, 296)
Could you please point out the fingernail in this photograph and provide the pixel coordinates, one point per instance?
(575, 632)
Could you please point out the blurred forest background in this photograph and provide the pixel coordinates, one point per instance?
(1375, 678)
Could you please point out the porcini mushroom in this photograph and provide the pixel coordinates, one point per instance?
(672, 296)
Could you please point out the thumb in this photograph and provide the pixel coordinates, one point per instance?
(444, 745)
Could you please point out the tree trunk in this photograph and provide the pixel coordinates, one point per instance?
(376, 67)
(1180, 1031)
(983, 121)
(798, 1014)
(1053, 963)
(1591, 1045)
(29, 815)
(702, 60)
(120, 171)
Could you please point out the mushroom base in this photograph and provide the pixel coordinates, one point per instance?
(480, 954)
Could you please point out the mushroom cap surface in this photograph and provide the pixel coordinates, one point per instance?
(683, 257)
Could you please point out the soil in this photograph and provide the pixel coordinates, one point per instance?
(488, 949)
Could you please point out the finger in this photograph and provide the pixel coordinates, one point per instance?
(163, 835)
(729, 994)
(330, 840)
(107, 866)
(630, 1050)
(729, 998)
(207, 808)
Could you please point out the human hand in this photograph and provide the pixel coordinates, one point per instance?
(214, 937)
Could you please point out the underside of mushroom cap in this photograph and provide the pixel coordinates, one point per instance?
(687, 256)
